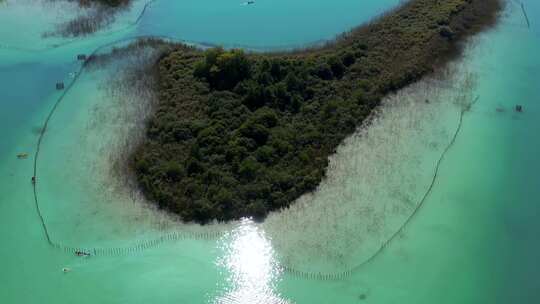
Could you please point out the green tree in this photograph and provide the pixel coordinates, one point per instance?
(223, 69)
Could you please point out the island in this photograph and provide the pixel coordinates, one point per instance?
(238, 134)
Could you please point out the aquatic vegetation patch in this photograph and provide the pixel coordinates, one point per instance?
(112, 3)
(36, 17)
(238, 134)
(93, 15)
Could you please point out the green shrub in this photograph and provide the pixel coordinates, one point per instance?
(223, 69)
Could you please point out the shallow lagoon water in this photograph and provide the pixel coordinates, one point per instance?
(474, 239)
(267, 24)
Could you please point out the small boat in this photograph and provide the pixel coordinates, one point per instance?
(66, 269)
(22, 155)
(82, 254)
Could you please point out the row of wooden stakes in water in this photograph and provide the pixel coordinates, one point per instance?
(317, 275)
(87, 252)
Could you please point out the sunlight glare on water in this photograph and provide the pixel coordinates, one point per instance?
(252, 270)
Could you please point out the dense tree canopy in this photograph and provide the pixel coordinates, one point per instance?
(239, 134)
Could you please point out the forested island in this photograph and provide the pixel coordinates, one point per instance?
(241, 134)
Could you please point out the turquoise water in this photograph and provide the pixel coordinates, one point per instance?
(474, 239)
(264, 25)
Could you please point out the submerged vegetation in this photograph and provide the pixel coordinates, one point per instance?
(238, 134)
(93, 16)
(113, 3)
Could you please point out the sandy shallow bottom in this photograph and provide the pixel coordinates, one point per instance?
(473, 239)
